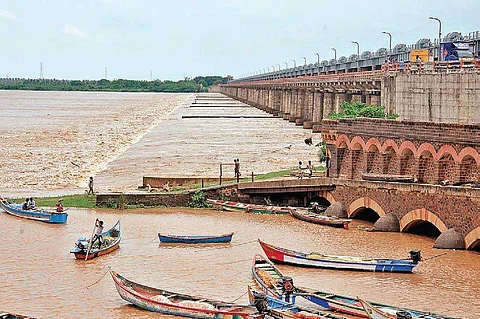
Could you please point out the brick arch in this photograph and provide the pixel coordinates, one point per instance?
(472, 237)
(469, 151)
(328, 195)
(358, 140)
(447, 149)
(422, 214)
(390, 143)
(365, 202)
(426, 147)
(407, 145)
(373, 141)
(342, 138)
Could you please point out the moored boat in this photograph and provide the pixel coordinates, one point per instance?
(249, 208)
(110, 242)
(173, 303)
(226, 238)
(9, 315)
(271, 280)
(38, 214)
(377, 311)
(279, 309)
(321, 219)
(319, 260)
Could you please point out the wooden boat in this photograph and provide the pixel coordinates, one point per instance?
(321, 219)
(42, 215)
(314, 259)
(271, 280)
(9, 315)
(376, 311)
(279, 309)
(248, 208)
(195, 239)
(172, 303)
(111, 241)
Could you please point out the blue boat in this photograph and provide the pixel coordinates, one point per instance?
(276, 308)
(195, 239)
(41, 215)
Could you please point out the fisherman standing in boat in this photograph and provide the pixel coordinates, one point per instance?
(98, 233)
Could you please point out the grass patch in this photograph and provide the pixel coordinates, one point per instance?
(80, 201)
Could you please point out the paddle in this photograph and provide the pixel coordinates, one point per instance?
(91, 238)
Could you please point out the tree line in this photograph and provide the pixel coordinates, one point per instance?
(197, 84)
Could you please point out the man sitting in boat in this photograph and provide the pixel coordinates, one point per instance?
(32, 204)
(98, 233)
(59, 206)
(26, 204)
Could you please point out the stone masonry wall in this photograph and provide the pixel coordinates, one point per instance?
(440, 97)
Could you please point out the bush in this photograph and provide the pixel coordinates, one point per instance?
(359, 109)
(199, 200)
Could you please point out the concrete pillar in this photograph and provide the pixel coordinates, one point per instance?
(301, 110)
(309, 105)
(288, 104)
(340, 97)
(328, 104)
(356, 98)
(318, 105)
(293, 105)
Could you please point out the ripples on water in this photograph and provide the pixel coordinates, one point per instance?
(39, 276)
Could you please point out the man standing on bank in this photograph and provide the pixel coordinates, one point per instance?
(90, 186)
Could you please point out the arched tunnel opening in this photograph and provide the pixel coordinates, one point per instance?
(475, 246)
(366, 214)
(422, 227)
(321, 201)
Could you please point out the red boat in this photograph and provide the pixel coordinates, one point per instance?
(111, 241)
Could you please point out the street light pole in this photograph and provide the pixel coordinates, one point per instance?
(390, 40)
(358, 53)
(335, 57)
(294, 63)
(305, 60)
(318, 63)
(439, 34)
(286, 65)
(278, 67)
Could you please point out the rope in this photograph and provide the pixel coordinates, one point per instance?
(96, 282)
(239, 297)
(223, 247)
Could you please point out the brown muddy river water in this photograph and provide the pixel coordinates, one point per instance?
(120, 137)
(39, 277)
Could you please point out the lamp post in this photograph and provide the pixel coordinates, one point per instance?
(294, 63)
(439, 34)
(335, 57)
(305, 59)
(358, 52)
(318, 63)
(390, 40)
(286, 65)
(278, 67)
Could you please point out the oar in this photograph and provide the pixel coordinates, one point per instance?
(91, 238)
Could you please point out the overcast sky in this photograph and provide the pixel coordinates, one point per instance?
(77, 39)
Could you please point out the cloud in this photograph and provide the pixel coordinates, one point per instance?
(72, 30)
(8, 15)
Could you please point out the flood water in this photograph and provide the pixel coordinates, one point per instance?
(40, 278)
(119, 138)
